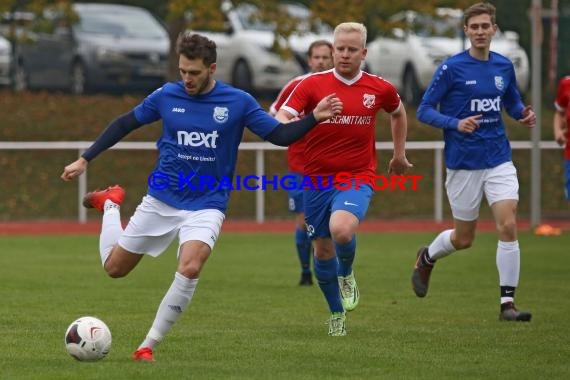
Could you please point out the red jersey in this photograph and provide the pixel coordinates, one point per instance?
(562, 103)
(295, 151)
(345, 143)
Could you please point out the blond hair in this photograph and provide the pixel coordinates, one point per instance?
(348, 27)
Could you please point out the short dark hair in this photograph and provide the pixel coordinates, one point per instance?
(318, 43)
(195, 46)
(480, 9)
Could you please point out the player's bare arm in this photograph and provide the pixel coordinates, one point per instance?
(529, 117)
(284, 116)
(75, 169)
(559, 127)
(399, 123)
(469, 124)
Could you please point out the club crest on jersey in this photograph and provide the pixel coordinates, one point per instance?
(221, 114)
(368, 100)
(499, 83)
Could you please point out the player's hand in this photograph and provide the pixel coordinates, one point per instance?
(328, 107)
(469, 124)
(529, 117)
(74, 169)
(399, 165)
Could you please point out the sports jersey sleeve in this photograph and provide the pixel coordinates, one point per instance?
(148, 110)
(427, 110)
(283, 95)
(300, 96)
(512, 99)
(562, 94)
(257, 119)
(115, 131)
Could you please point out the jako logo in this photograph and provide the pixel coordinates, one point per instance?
(486, 105)
(178, 109)
(198, 138)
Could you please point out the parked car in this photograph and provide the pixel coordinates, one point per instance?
(409, 55)
(245, 55)
(108, 47)
(5, 61)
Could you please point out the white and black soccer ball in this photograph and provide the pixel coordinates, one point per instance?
(88, 339)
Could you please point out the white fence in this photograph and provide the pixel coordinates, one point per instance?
(259, 148)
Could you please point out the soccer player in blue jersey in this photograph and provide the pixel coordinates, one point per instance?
(202, 125)
(471, 89)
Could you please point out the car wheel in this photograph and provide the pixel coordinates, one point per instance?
(411, 89)
(242, 77)
(78, 79)
(20, 78)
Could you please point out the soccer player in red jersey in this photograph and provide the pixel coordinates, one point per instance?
(319, 58)
(346, 143)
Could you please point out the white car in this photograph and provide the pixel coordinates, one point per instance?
(409, 56)
(245, 56)
(5, 61)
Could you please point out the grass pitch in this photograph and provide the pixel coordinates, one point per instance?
(250, 320)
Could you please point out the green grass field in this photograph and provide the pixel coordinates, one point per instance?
(250, 320)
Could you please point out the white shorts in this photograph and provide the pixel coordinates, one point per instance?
(465, 189)
(154, 225)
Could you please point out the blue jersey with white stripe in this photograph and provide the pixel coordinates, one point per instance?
(464, 86)
(198, 147)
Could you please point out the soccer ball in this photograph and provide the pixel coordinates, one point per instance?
(88, 339)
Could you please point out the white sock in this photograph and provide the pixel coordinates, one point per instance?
(175, 301)
(111, 229)
(441, 246)
(508, 263)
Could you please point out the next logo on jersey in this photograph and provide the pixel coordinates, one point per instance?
(209, 140)
(486, 105)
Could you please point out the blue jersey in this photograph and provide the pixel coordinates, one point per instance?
(463, 86)
(199, 142)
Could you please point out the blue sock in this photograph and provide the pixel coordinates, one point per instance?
(345, 253)
(326, 274)
(303, 244)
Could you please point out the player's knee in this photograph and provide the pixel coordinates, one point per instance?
(507, 229)
(115, 271)
(191, 270)
(342, 234)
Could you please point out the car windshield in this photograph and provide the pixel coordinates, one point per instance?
(247, 14)
(445, 23)
(248, 18)
(427, 26)
(121, 24)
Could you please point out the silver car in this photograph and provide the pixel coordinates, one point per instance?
(5, 61)
(245, 55)
(408, 56)
(109, 47)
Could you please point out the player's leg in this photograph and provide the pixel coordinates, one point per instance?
(317, 215)
(501, 190)
(150, 230)
(109, 202)
(304, 249)
(198, 234)
(348, 209)
(465, 192)
(302, 241)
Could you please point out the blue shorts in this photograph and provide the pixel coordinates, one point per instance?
(295, 196)
(320, 204)
(567, 179)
